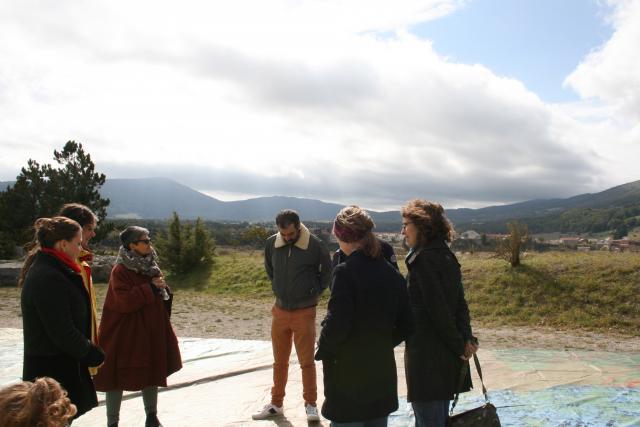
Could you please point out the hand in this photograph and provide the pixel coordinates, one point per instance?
(94, 357)
(159, 282)
(470, 348)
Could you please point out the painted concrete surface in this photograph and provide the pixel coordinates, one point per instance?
(224, 381)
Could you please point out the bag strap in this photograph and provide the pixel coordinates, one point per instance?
(463, 376)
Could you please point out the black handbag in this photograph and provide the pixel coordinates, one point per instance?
(483, 416)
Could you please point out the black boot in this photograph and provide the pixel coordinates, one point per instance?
(113, 425)
(152, 420)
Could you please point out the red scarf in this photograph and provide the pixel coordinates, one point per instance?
(64, 258)
(86, 256)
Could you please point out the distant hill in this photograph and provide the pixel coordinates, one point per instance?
(616, 209)
(622, 195)
(157, 198)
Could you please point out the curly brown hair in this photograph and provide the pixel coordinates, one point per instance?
(42, 403)
(430, 220)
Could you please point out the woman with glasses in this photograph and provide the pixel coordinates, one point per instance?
(135, 331)
(441, 341)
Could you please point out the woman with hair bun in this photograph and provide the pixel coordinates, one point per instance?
(441, 341)
(42, 403)
(367, 316)
(56, 313)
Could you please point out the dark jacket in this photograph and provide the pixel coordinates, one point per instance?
(368, 315)
(136, 333)
(387, 252)
(56, 318)
(441, 324)
(299, 272)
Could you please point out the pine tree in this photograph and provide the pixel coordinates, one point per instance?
(41, 190)
(185, 247)
(173, 249)
(203, 242)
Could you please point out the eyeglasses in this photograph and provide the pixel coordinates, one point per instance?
(146, 241)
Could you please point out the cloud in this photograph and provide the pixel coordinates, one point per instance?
(611, 73)
(326, 99)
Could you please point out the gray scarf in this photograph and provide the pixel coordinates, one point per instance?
(147, 265)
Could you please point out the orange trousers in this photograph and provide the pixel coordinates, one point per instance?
(299, 327)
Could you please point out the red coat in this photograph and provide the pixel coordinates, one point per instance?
(136, 334)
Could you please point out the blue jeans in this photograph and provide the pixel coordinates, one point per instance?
(432, 413)
(378, 422)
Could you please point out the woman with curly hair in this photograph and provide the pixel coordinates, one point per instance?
(42, 403)
(367, 316)
(441, 341)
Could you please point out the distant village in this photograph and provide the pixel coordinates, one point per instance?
(471, 240)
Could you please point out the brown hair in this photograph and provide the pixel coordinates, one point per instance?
(42, 403)
(430, 220)
(79, 213)
(357, 225)
(48, 231)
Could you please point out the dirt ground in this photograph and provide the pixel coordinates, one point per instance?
(197, 314)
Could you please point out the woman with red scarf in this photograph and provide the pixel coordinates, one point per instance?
(56, 313)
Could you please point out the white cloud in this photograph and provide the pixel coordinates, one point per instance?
(611, 72)
(608, 120)
(323, 99)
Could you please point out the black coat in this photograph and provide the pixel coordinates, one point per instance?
(368, 315)
(56, 318)
(441, 324)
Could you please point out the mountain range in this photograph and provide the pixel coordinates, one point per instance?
(157, 198)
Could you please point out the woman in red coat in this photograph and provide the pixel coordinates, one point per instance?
(135, 331)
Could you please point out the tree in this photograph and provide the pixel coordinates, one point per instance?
(171, 248)
(621, 231)
(203, 242)
(185, 247)
(510, 248)
(255, 235)
(41, 190)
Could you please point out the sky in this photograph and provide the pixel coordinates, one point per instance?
(468, 103)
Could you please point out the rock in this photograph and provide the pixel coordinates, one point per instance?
(101, 268)
(9, 272)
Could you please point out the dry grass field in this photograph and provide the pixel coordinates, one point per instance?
(555, 300)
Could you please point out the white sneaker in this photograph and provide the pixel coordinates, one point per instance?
(312, 412)
(269, 411)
